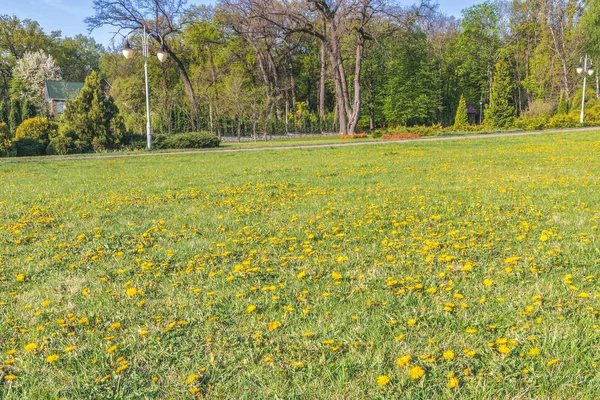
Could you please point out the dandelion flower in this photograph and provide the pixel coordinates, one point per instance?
(383, 380)
(416, 372)
(52, 358)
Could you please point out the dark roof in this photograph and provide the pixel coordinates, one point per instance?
(61, 90)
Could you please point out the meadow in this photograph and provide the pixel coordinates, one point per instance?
(458, 269)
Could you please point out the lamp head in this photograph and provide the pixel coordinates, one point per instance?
(127, 50)
(162, 53)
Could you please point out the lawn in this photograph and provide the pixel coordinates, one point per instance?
(458, 269)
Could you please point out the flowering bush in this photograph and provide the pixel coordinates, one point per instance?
(354, 136)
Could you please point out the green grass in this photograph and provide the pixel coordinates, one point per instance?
(338, 249)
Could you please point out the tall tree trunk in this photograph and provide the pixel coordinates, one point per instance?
(322, 77)
(189, 89)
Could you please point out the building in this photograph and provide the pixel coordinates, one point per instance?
(58, 93)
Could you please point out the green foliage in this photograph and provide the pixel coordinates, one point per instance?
(563, 107)
(561, 121)
(37, 128)
(15, 117)
(61, 145)
(462, 118)
(3, 112)
(191, 140)
(412, 88)
(531, 123)
(28, 147)
(28, 111)
(501, 113)
(5, 139)
(590, 99)
(94, 118)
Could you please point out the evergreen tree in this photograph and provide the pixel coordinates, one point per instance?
(562, 104)
(501, 113)
(462, 118)
(3, 112)
(14, 118)
(28, 111)
(94, 118)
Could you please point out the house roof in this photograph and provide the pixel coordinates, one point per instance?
(61, 90)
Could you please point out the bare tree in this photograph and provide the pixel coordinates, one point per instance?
(160, 18)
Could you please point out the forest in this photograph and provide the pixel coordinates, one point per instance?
(258, 67)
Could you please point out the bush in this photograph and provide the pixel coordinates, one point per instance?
(61, 145)
(27, 146)
(531, 123)
(563, 121)
(5, 142)
(191, 140)
(354, 136)
(401, 136)
(538, 109)
(38, 128)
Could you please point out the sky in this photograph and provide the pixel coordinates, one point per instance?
(68, 15)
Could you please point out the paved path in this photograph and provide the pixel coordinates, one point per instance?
(306, 146)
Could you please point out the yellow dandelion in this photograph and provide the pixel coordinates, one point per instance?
(52, 358)
(448, 355)
(131, 291)
(30, 347)
(416, 372)
(251, 308)
(383, 380)
(534, 351)
(403, 361)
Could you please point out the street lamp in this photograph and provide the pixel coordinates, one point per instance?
(162, 56)
(590, 71)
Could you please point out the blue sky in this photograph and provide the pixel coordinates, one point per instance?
(68, 15)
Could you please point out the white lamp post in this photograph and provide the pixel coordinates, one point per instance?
(162, 56)
(590, 71)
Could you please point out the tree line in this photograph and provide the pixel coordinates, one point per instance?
(259, 67)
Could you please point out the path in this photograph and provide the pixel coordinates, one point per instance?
(306, 146)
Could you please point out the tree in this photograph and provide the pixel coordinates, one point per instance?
(563, 107)
(93, 118)
(3, 112)
(501, 113)
(28, 110)
(462, 118)
(160, 18)
(31, 73)
(15, 116)
(77, 57)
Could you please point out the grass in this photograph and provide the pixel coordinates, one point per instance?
(305, 274)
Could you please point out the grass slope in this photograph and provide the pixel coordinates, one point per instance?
(317, 273)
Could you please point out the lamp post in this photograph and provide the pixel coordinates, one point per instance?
(162, 56)
(590, 71)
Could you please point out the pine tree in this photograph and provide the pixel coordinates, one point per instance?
(29, 110)
(3, 112)
(94, 118)
(462, 118)
(501, 113)
(14, 118)
(562, 104)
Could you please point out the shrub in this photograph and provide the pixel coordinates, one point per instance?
(531, 123)
(538, 109)
(354, 136)
(61, 145)
(5, 142)
(38, 128)
(401, 136)
(27, 146)
(462, 118)
(191, 140)
(563, 121)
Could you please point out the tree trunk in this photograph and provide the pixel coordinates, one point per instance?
(322, 79)
(186, 82)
